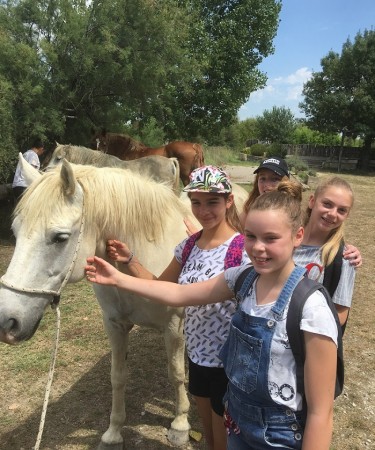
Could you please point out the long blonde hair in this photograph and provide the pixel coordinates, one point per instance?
(331, 247)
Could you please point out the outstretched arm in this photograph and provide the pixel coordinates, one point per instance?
(320, 376)
(212, 291)
(120, 252)
(353, 255)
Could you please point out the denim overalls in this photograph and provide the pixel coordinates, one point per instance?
(255, 421)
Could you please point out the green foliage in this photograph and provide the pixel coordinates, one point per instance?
(189, 66)
(276, 125)
(296, 165)
(219, 156)
(276, 149)
(341, 97)
(258, 149)
(305, 135)
(152, 135)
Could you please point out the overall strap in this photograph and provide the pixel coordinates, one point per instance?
(287, 290)
(189, 244)
(243, 282)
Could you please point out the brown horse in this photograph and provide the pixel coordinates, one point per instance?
(189, 154)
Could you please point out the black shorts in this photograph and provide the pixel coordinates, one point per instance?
(208, 382)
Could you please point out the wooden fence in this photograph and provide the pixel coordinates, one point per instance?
(328, 157)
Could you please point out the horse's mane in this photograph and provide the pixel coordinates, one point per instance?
(126, 207)
(117, 140)
(83, 155)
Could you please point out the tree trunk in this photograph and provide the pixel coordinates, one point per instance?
(365, 154)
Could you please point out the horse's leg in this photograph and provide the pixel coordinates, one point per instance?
(118, 334)
(178, 434)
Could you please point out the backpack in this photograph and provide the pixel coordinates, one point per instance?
(233, 256)
(301, 293)
(332, 274)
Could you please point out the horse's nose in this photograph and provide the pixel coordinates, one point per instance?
(12, 331)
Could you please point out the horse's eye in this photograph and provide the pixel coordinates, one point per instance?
(61, 237)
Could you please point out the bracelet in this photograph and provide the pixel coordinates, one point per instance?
(130, 258)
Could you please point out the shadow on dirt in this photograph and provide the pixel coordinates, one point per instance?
(79, 417)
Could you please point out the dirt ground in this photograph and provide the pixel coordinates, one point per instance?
(79, 406)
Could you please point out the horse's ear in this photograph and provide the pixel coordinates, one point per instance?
(28, 171)
(57, 144)
(67, 177)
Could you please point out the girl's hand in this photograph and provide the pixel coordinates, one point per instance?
(101, 272)
(190, 228)
(118, 251)
(353, 255)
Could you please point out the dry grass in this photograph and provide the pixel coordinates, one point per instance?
(79, 406)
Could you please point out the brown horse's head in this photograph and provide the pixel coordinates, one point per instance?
(99, 140)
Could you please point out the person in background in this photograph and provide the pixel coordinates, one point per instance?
(268, 175)
(201, 258)
(263, 408)
(32, 157)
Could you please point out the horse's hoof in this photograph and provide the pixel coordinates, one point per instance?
(178, 438)
(104, 446)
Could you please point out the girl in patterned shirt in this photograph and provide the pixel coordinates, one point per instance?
(206, 326)
(263, 406)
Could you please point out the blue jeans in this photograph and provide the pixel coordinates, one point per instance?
(264, 428)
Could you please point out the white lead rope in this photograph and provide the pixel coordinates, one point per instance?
(49, 381)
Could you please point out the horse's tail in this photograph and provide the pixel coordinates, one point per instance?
(199, 156)
(176, 184)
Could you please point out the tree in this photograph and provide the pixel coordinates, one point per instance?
(276, 125)
(341, 97)
(232, 38)
(189, 65)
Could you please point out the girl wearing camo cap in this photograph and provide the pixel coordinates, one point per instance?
(200, 257)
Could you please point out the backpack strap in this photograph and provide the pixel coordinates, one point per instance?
(301, 293)
(332, 274)
(189, 247)
(233, 257)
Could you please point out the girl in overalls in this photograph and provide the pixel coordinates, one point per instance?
(263, 407)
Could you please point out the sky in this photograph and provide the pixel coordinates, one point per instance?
(308, 31)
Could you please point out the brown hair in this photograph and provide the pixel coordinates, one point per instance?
(254, 194)
(330, 248)
(287, 197)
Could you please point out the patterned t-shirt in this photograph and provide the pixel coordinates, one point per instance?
(206, 326)
(316, 318)
(309, 256)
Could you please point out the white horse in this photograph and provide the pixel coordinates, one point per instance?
(68, 214)
(159, 168)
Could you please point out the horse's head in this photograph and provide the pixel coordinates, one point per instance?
(60, 152)
(99, 140)
(50, 250)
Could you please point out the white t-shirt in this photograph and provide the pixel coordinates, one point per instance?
(316, 318)
(206, 326)
(32, 158)
(309, 256)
